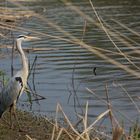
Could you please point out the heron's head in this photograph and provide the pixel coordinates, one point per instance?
(26, 38)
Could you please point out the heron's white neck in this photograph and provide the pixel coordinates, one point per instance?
(23, 58)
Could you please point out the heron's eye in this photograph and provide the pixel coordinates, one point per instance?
(21, 36)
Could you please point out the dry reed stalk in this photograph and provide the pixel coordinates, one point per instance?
(53, 133)
(122, 35)
(124, 39)
(59, 134)
(69, 123)
(109, 33)
(131, 99)
(25, 30)
(56, 116)
(106, 103)
(117, 130)
(56, 128)
(108, 59)
(117, 133)
(3, 36)
(97, 119)
(47, 49)
(43, 19)
(28, 137)
(97, 52)
(85, 121)
(68, 133)
(125, 27)
(109, 107)
(134, 48)
(30, 49)
(52, 24)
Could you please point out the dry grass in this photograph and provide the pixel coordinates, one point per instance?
(34, 128)
(42, 128)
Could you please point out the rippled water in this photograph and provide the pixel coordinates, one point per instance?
(56, 67)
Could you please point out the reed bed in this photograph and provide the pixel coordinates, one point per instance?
(52, 129)
(43, 128)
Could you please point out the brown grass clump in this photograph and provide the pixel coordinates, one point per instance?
(34, 128)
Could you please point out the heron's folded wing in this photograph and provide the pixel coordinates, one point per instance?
(11, 92)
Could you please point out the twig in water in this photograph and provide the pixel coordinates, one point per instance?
(35, 59)
(32, 68)
(74, 92)
(36, 95)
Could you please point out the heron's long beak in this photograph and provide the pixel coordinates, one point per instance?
(32, 38)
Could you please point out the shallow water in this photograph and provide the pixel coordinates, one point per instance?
(56, 67)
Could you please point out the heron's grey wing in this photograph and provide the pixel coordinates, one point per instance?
(11, 92)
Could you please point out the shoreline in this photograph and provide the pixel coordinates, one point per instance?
(34, 127)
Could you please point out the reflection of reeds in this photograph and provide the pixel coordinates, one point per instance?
(85, 134)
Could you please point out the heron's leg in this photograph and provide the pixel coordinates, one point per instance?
(14, 113)
(15, 116)
(10, 110)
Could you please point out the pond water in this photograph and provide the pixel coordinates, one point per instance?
(65, 70)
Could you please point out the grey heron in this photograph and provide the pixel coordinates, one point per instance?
(15, 87)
